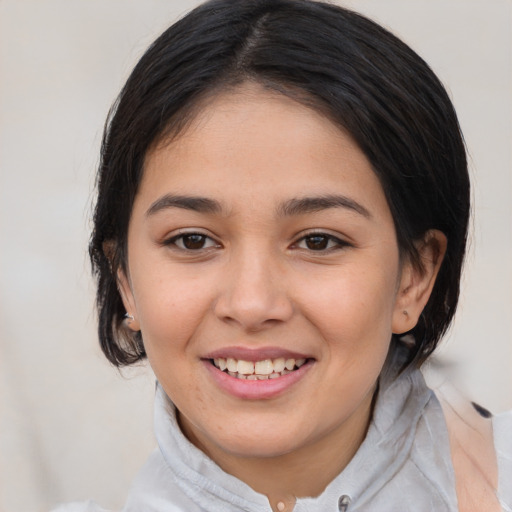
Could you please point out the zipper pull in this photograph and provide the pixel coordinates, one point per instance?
(343, 503)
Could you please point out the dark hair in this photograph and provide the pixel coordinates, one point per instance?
(365, 79)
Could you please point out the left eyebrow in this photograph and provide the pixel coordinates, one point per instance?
(302, 205)
(193, 203)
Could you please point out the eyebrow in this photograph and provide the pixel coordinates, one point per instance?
(295, 206)
(194, 203)
(299, 206)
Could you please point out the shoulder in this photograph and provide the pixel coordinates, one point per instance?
(153, 489)
(79, 506)
(157, 487)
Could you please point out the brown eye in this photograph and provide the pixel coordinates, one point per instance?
(321, 242)
(317, 242)
(192, 242)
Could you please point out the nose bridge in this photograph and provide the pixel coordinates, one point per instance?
(253, 293)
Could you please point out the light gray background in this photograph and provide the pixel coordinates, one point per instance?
(71, 426)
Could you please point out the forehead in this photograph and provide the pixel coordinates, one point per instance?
(252, 146)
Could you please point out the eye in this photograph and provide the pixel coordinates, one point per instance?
(320, 242)
(192, 241)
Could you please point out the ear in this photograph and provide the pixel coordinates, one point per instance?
(417, 281)
(123, 286)
(125, 290)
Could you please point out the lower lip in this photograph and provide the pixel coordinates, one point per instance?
(256, 389)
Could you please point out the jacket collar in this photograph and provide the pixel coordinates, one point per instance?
(407, 424)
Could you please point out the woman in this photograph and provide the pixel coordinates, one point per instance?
(281, 222)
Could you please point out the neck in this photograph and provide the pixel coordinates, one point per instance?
(305, 472)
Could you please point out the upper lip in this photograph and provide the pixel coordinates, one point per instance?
(255, 354)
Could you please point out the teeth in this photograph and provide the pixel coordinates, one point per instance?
(279, 364)
(245, 367)
(264, 367)
(260, 370)
(232, 364)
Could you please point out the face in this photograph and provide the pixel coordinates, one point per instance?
(261, 240)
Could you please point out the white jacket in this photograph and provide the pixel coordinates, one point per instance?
(404, 464)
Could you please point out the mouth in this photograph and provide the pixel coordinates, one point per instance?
(264, 369)
(262, 374)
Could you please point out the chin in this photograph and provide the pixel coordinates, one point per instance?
(262, 440)
(260, 447)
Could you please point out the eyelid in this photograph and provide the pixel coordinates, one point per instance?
(170, 240)
(340, 241)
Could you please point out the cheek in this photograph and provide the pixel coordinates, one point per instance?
(353, 315)
(171, 307)
(171, 315)
(355, 307)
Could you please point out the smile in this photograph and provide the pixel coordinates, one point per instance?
(257, 370)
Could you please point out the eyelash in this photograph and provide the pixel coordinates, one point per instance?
(332, 243)
(327, 242)
(175, 241)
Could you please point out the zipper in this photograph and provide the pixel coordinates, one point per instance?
(343, 503)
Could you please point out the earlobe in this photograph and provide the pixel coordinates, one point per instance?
(123, 287)
(125, 290)
(417, 281)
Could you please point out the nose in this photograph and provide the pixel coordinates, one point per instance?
(253, 293)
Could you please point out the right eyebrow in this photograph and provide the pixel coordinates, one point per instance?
(303, 205)
(195, 203)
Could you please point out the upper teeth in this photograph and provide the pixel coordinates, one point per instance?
(264, 367)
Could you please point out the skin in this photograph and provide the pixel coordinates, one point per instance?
(256, 281)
